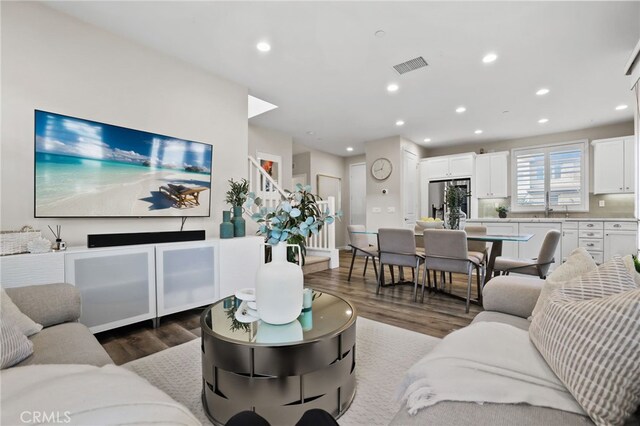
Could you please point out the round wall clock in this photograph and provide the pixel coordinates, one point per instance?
(381, 169)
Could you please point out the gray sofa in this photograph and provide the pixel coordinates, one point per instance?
(509, 300)
(63, 340)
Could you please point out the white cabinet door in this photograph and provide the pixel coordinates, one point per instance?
(185, 276)
(629, 165)
(21, 270)
(569, 242)
(461, 166)
(499, 176)
(117, 286)
(619, 243)
(437, 168)
(608, 166)
(483, 176)
(509, 248)
(531, 248)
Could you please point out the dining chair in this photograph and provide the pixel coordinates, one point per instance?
(446, 251)
(421, 225)
(397, 247)
(538, 266)
(360, 247)
(477, 248)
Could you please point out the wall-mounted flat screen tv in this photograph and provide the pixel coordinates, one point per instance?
(88, 169)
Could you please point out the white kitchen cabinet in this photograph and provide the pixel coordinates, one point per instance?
(450, 166)
(620, 239)
(614, 166)
(531, 249)
(569, 239)
(590, 237)
(509, 248)
(629, 164)
(492, 175)
(185, 276)
(117, 285)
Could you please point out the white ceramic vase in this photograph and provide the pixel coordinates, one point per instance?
(279, 288)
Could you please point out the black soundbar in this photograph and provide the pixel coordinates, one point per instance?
(112, 240)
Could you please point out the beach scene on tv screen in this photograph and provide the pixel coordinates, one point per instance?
(84, 168)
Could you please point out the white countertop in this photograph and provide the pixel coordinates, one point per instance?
(553, 219)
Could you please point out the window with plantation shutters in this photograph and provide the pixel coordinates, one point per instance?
(558, 173)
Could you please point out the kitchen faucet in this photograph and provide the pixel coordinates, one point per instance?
(547, 209)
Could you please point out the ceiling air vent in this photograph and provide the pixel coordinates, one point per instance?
(410, 65)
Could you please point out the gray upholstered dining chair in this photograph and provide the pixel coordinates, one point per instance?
(397, 247)
(360, 247)
(446, 251)
(477, 248)
(538, 266)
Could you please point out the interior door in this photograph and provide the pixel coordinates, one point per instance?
(357, 194)
(409, 188)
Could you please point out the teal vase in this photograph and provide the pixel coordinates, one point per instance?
(238, 222)
(226, 227)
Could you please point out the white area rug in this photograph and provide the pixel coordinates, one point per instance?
(383, 354)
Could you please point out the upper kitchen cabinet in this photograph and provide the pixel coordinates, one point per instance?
(613, 165)
(450, 166)
(492, 175)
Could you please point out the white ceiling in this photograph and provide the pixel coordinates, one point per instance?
(328, 73)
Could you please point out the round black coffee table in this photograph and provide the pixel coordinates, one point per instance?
(279, 371)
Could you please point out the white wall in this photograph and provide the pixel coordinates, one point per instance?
(56, 63)
(269, 141)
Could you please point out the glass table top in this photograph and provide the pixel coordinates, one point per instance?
(329, 315)
(488, 237)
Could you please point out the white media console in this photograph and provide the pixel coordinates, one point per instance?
(128, 284)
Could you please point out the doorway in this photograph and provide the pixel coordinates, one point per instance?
(358, 194)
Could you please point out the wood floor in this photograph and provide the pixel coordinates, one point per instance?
(437, 316)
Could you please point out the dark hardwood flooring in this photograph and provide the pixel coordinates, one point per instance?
(437, 316)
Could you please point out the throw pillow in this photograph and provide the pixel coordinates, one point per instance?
(14, 345)
(631, 267)
(593, 346)
(578, 263)
(9, 309)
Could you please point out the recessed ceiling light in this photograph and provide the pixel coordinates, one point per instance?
(427, 139)
(263, 46)
(478, 132)
(399, 123)
(460, 109)
(543, 120)
(392, 88)
(349, 148)
(380, 33)
(489, 57)
(542, 91)
(621, 107)
(310, 132)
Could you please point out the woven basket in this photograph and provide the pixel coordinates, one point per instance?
(14, 242)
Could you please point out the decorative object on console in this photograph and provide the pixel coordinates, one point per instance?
(502, 211)
(59, 245)
(236, 196)
(279, 284)
(14, 242)
(226, 226)
(39, 245)
(455, 218)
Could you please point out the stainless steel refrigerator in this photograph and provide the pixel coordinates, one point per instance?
(437, 196)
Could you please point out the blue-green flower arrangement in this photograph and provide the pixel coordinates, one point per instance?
(297, 217)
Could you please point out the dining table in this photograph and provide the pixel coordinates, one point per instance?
(496, 241)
